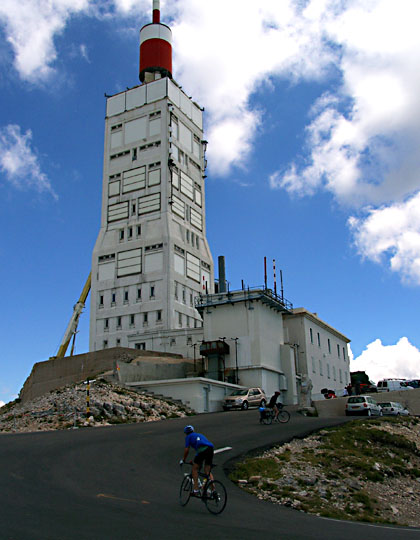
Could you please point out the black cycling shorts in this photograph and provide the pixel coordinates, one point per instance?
(205, 456)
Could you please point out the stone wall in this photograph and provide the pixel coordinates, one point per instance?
(57, 372)
(336, 407)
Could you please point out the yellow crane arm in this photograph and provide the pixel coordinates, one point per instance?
(74, 321)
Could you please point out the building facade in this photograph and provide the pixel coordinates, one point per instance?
(321, 351)
(151, 257)
(244, 341)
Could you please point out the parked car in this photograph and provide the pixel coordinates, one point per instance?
(389, 385)
(245, 398)
(363, 405)
(415, 383)
(394, 408)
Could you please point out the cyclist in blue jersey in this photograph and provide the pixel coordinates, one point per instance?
(204, 454)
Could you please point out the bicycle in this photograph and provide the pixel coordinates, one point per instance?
(212, 492)
(270, 416)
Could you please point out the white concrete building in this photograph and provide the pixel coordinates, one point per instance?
(245, 341)
(151, 257)
(255, 338)
(321, 351)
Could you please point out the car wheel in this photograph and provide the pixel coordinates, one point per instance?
(369, 412)
(381, 413)
(245, 405)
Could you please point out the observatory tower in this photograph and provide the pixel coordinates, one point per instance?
(151, 258)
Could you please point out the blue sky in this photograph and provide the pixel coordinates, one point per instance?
(312, 119)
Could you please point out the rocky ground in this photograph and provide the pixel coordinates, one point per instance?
(379, 481)
(65, 408)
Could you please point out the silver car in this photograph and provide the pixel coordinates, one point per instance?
(363, 405)
(245, 398)
(394, 408)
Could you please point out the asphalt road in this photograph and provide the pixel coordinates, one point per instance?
(122, 482)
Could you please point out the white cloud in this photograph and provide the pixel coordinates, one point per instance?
(31, 26)
(392, 233)
(19, 162)
(2, 403)
(401, 360)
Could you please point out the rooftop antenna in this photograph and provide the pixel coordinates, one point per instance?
(265, 273)
(274, 275)
(155, 49)
(281, 281)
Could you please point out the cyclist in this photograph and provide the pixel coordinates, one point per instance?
(272, 404)
(204, 453)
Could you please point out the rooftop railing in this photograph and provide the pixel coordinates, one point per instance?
(250, 294)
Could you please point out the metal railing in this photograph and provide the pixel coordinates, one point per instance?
(249, 294)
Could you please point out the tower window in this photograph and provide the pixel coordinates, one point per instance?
(145, 318)
(134, 154)
(130, 232)
(121, 234)
(152, 292)
(101, 300)
(105, 344)
(113, 296)
(140, 346)
(118, 322)
(106, 324)
(138, 230)
(159, 315)
(126, 296)
(132, 320)
(138, 295)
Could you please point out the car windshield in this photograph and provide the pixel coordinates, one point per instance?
(386, 405)
(239, 393)
(356, 400)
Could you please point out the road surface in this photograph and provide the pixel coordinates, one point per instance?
(122, 482)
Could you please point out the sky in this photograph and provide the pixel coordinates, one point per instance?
(312, 115)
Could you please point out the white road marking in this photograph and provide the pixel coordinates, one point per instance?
(225, 449)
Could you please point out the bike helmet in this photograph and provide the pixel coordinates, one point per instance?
(188, 429)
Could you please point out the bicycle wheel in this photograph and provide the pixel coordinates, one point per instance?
(215, 497)
(185, 490)
(283, 417)
(267, 419)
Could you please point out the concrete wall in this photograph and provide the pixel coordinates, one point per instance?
(153, 368)
(336, 407)
(58, 372)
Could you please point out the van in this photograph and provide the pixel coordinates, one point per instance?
(390, 385)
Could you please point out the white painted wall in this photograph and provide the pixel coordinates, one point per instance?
(317, 360)
(199, 393)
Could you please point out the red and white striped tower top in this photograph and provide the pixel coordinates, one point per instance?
(155, 48)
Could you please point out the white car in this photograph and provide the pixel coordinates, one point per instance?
(363, 405)
(393, 408)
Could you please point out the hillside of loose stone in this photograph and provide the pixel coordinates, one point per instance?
(65, 408)
(365, 470)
